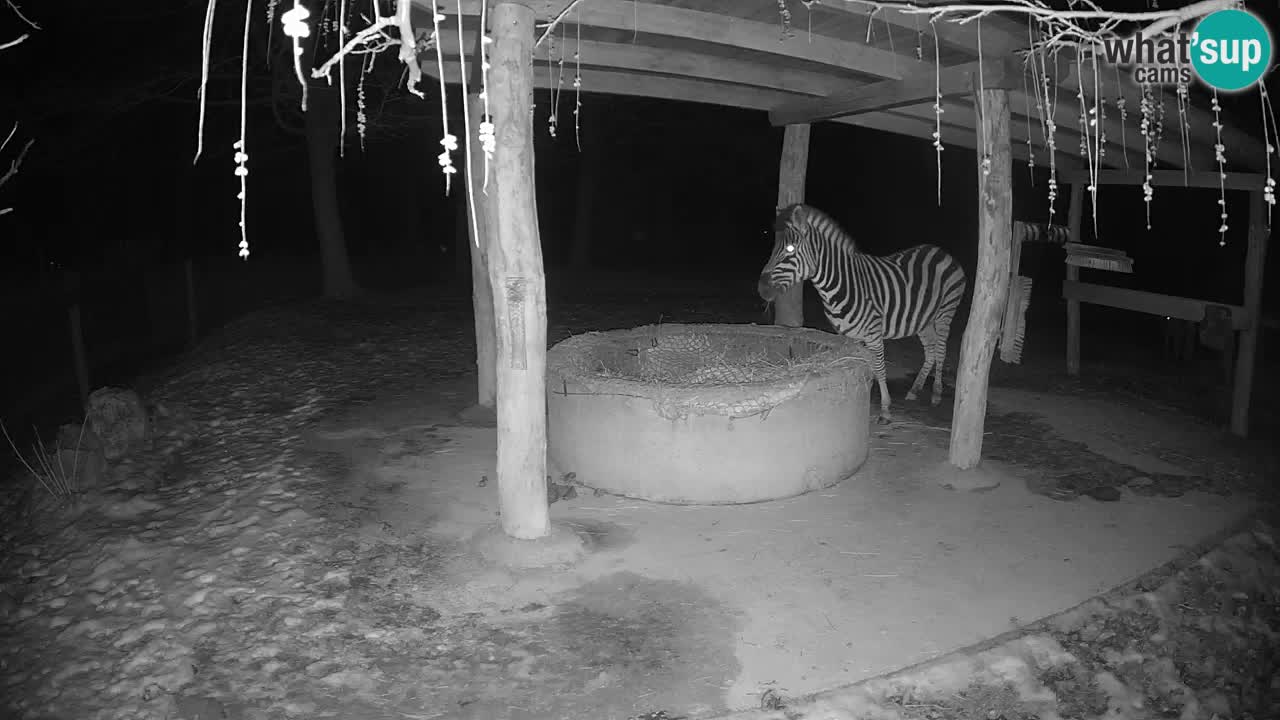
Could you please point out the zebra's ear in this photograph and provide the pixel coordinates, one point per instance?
(787, 216)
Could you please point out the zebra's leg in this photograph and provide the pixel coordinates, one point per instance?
(877, 366)
(941, 329)
(928, 340)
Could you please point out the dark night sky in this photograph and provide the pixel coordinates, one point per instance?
(108, 95)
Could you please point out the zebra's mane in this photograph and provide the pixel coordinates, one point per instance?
(819, 221)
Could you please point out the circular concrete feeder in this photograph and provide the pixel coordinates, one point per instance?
(708, 414)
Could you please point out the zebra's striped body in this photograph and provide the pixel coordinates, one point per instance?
(866, 297)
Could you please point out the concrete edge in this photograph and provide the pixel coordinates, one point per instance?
(860, 692)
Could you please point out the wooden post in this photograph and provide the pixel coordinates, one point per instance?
(518, 281)
(991, 279)
(1075, 213)
(792, 170)
(193, 327)
(1255, 262)
(1012, 306)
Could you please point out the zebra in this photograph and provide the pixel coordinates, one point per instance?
(869, 298)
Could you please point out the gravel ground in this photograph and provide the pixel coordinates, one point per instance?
(209, 582)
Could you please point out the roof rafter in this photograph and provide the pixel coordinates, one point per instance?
(1000, 35)
(691, 90)
(766, 59)
(716, 29)
(918, 87)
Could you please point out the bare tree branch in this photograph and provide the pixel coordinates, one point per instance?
(18, 12)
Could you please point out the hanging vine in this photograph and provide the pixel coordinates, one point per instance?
(1082, 25)
(1269, 136)
(1220, 156)
(937, 111)
(577, 89)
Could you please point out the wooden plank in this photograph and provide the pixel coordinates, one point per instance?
(626, 56)
(595, 82)
(1170, 178)
(793, 169)
(894, 121)
(692, 65)
(855, 56)
(1172, 306)
(1000, 35)
(990, 282)
(518, 282)
(1012, 303)
(919, 87)
(648, 18)
(1075, 214)
(1255, 267)
(692, 90)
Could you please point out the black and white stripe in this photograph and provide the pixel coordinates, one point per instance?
(866, 297)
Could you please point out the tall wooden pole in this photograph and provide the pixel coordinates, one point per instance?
(479, 237)
(991, 279)
(518, 282)
(1255, 263)
(792, 171)
(1075, 213)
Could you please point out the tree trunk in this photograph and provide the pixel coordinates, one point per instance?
(792, 171)
(991, 279)
(322, 130)
(518, 281)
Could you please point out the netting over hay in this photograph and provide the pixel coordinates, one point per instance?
(735, 370)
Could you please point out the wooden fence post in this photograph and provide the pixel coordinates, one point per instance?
(1255, 264)
(1075, 214)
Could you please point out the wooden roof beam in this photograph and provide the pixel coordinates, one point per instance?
(893, 121)
(595, 54)
(1170, 178)
(713, 93)
(1001, 35)
(713, 28)
(764, 37)
(952, 82)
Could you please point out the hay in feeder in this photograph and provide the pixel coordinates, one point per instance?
(735, 370)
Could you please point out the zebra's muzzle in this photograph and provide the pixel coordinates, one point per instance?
(768, 291)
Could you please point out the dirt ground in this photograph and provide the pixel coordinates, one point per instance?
(238, 572)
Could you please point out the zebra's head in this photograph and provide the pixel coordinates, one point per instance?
(792, 259)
